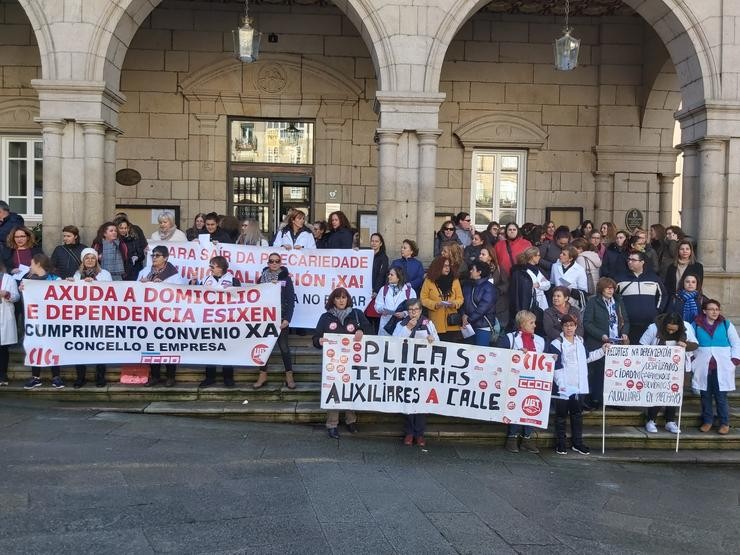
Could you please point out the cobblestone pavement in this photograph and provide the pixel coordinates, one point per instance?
(85, 482)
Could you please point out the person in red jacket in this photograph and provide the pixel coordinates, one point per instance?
(507, 251)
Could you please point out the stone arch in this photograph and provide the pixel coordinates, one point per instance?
(118, 25)
(37, 16)
(500, 130)
(673, 21)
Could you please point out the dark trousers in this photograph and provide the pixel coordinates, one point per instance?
(4, 358)
(156, 371)
(636, 331)
(720, 397)
(415, 425)
(670, 413)
(596, 382)
(564, 408)
(99, 372)
(228, 372)
(282, 343)
(36, 371)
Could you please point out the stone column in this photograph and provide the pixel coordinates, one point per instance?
(689, 190)
(665, 200)
(603, 197)
(94, 215)
(426, 189)
(711, 226)
(387, 182)
(109, 183)
(53, 132)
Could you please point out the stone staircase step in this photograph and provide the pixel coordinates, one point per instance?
(618, 436)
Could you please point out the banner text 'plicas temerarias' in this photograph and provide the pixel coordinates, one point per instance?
(390, 374)
(315, 273)
(131, 322)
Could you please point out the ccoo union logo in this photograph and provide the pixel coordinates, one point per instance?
(258, 352)
(532, 406)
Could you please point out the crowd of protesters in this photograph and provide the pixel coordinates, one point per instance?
(540, 288)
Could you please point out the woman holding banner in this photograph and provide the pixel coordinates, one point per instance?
(161, 271)
(89, 271)
(390, 302)
(668, 329)
(41, 270)
(441, 295)
(340, 317)
(219, 278)
(523, 339)
(275, 273)
(415, 326)
(605, 320)
(294, 234)
(714, 365)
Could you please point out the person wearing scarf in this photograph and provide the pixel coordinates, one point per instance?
(161, 271)
(274, 272)
(390, 302)
(340, 317)
(523, 339)
(89, 271)
(167, 229)
(688, 299)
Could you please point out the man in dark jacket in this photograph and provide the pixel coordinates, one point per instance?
(643, 294)
(217, 234)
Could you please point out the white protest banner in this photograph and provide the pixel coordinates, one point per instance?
(644, 376)
(315, 273)
(391, 374)
(131, 322)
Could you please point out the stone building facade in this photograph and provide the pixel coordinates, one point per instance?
(416, 110)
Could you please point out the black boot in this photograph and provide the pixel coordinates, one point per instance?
(170, 375)
(228, 372)
(210, 376)
(154, 375)
(561, 447)
(100, 376)
(576, 431)
(80, 381)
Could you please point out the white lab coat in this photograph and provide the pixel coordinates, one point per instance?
(8, 328)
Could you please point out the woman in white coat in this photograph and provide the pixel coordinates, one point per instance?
(8, 330)
(390, 302)
(568, 273)
(714, 364)
(295, 234)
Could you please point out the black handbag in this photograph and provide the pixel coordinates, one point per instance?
(454, 319)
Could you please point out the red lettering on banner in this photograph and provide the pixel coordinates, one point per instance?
(432, 397)
(529, 383)
(129, 295)
(32, 311)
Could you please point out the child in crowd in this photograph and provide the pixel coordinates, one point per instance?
(570, 383)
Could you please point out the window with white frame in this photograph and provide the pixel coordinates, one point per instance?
(22, 177)
(498, 186)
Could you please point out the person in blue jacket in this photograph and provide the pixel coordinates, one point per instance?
(479, 303)
(412, 268)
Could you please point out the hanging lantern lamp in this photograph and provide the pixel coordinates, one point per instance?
(566, 47)
(246, 39)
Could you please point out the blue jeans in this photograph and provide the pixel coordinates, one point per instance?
(482, 338)
(723, 407)
(518, 429)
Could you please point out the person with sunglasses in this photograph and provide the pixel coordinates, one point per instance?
(161, 271)
(445, 234)
(219, 277)
(464, 228)
(275, 272)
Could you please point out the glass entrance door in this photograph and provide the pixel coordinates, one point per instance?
(267, 198)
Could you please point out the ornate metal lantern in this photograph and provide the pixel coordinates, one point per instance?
(246, 39)
(566, 47)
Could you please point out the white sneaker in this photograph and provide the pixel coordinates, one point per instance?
(650, 427)
(671, 427)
